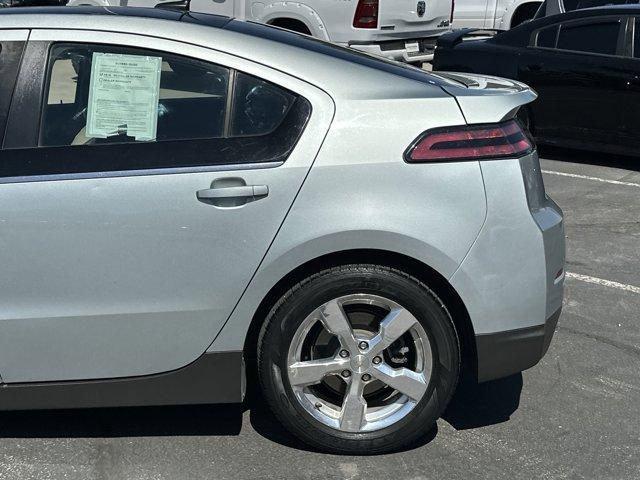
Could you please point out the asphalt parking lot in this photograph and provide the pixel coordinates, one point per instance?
(575, 415)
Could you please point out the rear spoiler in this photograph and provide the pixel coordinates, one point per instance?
(451, 39)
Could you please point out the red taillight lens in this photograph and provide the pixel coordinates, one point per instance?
(471, 142)
(366, 14)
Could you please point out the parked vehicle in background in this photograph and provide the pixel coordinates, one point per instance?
(584, 65)
(493, 14)
(184, 196)
(404, 30)
(31, 3)
(556, 7)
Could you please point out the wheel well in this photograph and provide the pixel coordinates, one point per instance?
(524, 12)
(411, 266)
(291, 24)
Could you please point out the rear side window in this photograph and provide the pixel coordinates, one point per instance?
(10, 54)
(102, 94)
(110, 108)
(600, 38)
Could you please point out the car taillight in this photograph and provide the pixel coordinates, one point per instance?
(470, 142)
(366, 14)
(453, 6)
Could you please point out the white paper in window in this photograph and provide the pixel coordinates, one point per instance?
(123, 96)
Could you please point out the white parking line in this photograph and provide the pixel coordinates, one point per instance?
(596, 179)
(603, 282)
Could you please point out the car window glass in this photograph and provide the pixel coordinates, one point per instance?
(63, 82)
(190, 101)
(258, 106)
(546, 38)
(599, 37)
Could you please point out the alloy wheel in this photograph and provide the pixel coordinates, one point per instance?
(359, 363)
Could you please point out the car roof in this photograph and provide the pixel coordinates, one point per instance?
(303, 56)
(158, 13)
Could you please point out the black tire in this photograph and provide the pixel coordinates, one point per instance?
(295, 305)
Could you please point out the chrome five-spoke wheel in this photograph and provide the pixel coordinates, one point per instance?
(358, 358)
(359, 363)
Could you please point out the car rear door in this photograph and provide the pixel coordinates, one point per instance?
(576, 69)
(124, 252)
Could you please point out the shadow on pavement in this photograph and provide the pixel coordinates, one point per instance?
(123, 422)
(590, 158)
(265, 423)
(479, 405)
(473, 406)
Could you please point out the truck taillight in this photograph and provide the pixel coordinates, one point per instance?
(471, 142)
(366, 14)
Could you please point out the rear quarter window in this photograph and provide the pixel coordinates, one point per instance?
(258, 106)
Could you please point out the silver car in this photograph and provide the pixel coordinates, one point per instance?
(191, 204)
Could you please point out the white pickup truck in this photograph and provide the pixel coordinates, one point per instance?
(498, 14)
(399, 29)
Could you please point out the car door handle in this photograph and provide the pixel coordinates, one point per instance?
(221, 196)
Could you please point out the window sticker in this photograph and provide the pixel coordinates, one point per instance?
(123, 96)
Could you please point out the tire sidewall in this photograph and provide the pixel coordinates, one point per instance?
(402, 289)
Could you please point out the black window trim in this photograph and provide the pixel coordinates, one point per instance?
(621, 48)
(10, 87)
(633, 27)
(533, 41)
(25, 119)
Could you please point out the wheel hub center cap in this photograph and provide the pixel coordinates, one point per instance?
(360, 363)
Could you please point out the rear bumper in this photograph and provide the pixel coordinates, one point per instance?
(512, 279)
(505, 353)
(401, 50)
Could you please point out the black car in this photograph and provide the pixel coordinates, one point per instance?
(585, 66)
